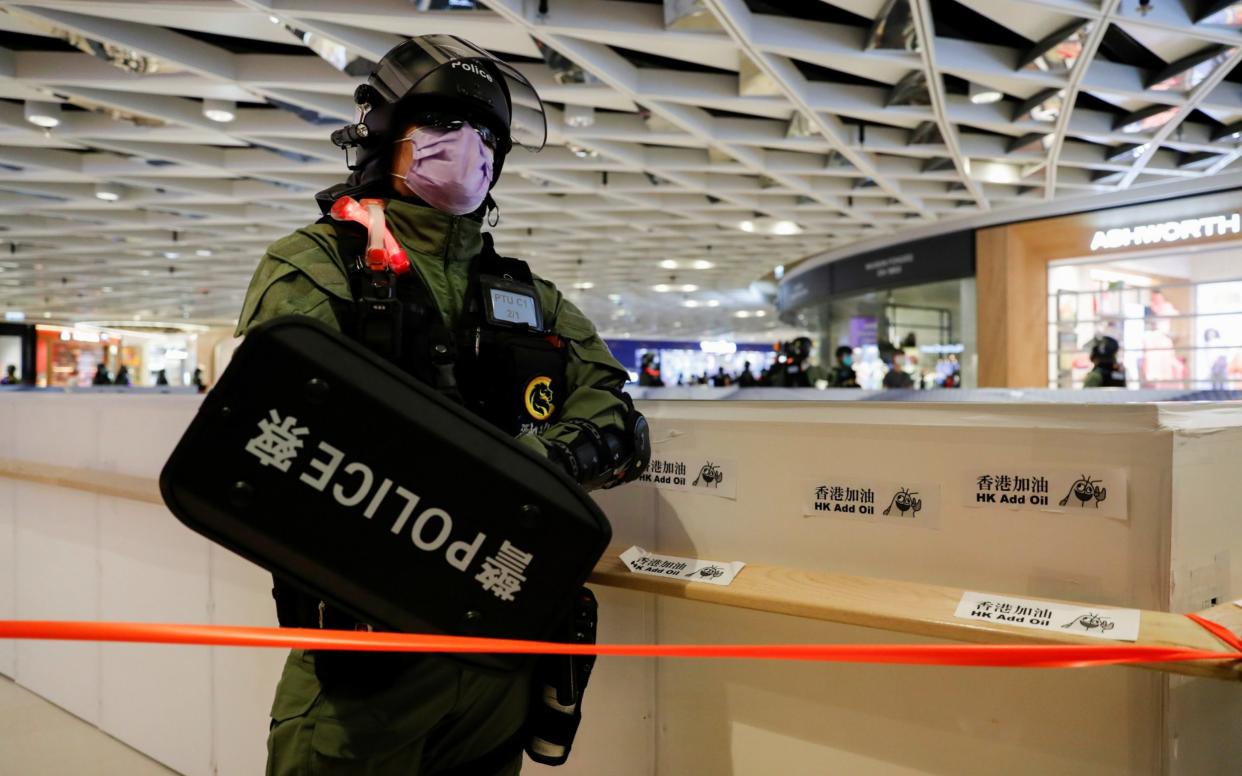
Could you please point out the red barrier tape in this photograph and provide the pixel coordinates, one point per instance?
(1014, 656)
(1219, 631)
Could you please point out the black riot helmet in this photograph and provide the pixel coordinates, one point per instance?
(438, 78)
(1104, 350)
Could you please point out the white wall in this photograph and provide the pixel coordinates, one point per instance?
(10, 353)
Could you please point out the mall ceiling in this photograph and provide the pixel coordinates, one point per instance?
(694, 145)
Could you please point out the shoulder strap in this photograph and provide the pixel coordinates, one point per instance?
(489, 262)
(436, 345)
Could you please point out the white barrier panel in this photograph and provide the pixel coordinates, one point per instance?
(66, 554)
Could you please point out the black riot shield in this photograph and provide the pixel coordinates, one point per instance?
(327, 465)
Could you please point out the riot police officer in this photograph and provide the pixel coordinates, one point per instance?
(437, 118)
(1106, 371)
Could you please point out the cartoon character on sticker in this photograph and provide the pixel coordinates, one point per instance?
(906, 501)
(710, 475)
(1086, 489)
(1090, 621)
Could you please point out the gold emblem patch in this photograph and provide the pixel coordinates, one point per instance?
(539, 398)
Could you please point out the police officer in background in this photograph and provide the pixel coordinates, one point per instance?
(842, 374)
(437, 121)
(1106, 371)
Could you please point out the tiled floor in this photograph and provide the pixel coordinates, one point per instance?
(38, 738)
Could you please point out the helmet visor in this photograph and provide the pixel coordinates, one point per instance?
(528, 125)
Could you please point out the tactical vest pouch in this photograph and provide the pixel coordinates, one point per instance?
(333, 468)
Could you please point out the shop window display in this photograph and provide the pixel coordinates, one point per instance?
(70, 357)
(1177, 317)
(914, 337)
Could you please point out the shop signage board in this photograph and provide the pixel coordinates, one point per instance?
(1167, 231)
(1091, 491)
(944, 257)
(1095, 621)
(901, 503)
(711, 572)
(701, 473)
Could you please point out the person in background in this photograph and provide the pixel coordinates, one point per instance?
(897, 376)
(951, 369)
(101, 376)
(842, 374)
(746, 379)
(1106, 371)
(10, 376)
(198, 380)
(122, 376)
(649, 375)
(1219, 371)
(161, 378)
(720, 379)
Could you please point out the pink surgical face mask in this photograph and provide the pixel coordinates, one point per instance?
(451, 169)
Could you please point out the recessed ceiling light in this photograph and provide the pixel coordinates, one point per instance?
(689, 288)
(579, 116)
(43, 114)
(668, 264)
(984, 95)
(690, 303)
(703, 264)
(584, 285)
(171, 255)
(769, 225)
(742, 314)
(107, 192)
(661, 288)
(202, 252)
(222, 111)
(760, 313)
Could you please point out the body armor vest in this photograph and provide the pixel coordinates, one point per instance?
(501, 361)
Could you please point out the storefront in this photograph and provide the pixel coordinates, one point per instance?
(1163, 279)
(138, 355)
(691, 363)
(910, 308)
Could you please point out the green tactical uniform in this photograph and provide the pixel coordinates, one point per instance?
(438, 713)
